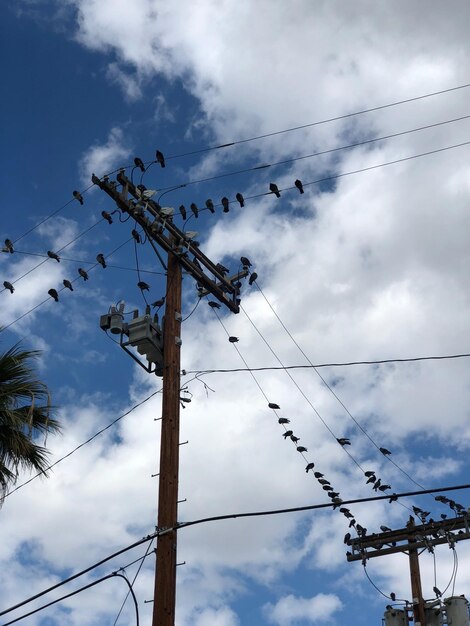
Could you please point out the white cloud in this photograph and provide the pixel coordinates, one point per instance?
(127, 83)
(101, 158)
(291, 609)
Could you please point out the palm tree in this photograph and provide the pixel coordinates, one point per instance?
(25, 415)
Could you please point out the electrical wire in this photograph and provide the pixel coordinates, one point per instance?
(265, 166)
(138, 271)
(74, 593)
(84, 443)
(320, 365)
(142, 559)
(189, 315)
(328, 386)
(3, 328)
(375, 586)
(85, 262)
(217, 518)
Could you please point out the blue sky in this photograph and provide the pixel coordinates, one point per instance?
(362, 267)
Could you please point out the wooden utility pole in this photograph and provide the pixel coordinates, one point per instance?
(160, 229)
(411, 539)
(165, 579)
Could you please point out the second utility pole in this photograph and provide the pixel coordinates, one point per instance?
(165, 576)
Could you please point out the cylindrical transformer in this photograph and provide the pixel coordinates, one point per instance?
(433, 615)
(395, 617)
(457, 611)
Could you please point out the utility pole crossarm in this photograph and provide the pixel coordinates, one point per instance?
(174, 241)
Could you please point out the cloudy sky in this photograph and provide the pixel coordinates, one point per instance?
(370, 263)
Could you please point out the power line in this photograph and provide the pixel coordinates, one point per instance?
(320, 365)
(216, 518)
(324, 121)
(84, 443)
(357, 144)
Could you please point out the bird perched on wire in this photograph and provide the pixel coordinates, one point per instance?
(273, 405)
(332, 494)
(82, 273)
(273, 188)
(194, 209)
(347, 538)
(371, 479)
(158, 303)
(9, 246)
(8, 286)
(143, 286)
(294, 438)
(323, 481)
(369, 473)
(222, 269)
(343, 441)
(233, 339)
(67, 284)
(384, 451)
(136, 235)
(107, 216)
(318, 475)
(393, 596)
(384, 487)
(160, 158)
(301, 449)
(213, 305)
(377, 484)
(53, 255)
(298, 184)
(327, 487)
(240, 199)
(139, 163)
(309, 467)
(245, 261)
(53, 293)
(78, 196)
(385, 529)
(393, 498)
(225, 204)
(283, 420)
(100, 259)
(210, 205)
(252, 278)
(288, 434)
(183, 211)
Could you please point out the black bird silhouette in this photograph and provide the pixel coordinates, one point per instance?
(136, 235)
(100, 259)
(384, 451)
(233, 339)
(301, 449)
(323, 481)
(327, 487)
(347, 538)
(107, 216)
(348, 515)
(372, 479)
(139, 163)
(8, 286)
(344, 510)
(158, 303)
(417, 510)
(377, 484)
(143, 286)
(352, 523)
(393, 597)
(225, 204)
(287, 434)
(78, 196)
(393, 498)
(67, 284)
(332, 494)
(222, 269)
(274, 189)
(252, 278)
(214, 305)
(53, 293)
(245, 261)
(283, 420)
(210, 205)
(240, 199)
(273, 405)
(183, 211)
(160, 158)
(318, 475)
(437, 592)
(294, 438)
(309, 467)
(384, 487)
(343, 441)
(194, 209)
(299, 185)
(53, 255)
(82, 273)
(369, 473)
(9, 245)
(385, 529)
